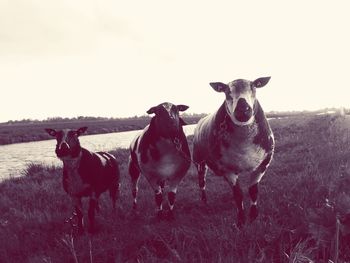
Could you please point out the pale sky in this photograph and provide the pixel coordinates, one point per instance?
(114, 58)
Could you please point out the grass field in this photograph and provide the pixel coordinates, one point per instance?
(304, 203)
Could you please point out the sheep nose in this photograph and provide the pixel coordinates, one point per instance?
(64, 146)
(242, 105)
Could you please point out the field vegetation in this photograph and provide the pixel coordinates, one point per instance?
(304, 203)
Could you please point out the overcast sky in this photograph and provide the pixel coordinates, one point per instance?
(118, 58)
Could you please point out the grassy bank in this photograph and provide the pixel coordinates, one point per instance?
(304, 205)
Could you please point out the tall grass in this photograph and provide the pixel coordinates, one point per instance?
(303, 195)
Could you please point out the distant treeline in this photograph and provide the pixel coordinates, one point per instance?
(191, 117)
(33, 130)
(90, 118)
(74, 119)
(281, 114)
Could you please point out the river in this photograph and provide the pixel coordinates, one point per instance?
(14, 158)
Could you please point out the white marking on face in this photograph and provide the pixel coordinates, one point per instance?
(248, 97)
(167, 107)
(235, 95)
(64, 139)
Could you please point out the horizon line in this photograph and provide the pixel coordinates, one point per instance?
(57, 118)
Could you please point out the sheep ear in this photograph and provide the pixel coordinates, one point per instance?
(219, 86)
(152, 110)
(51, 132)
(261, 82)
(81, 130)
(181, 107)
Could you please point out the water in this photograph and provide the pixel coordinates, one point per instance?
(15, 157)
